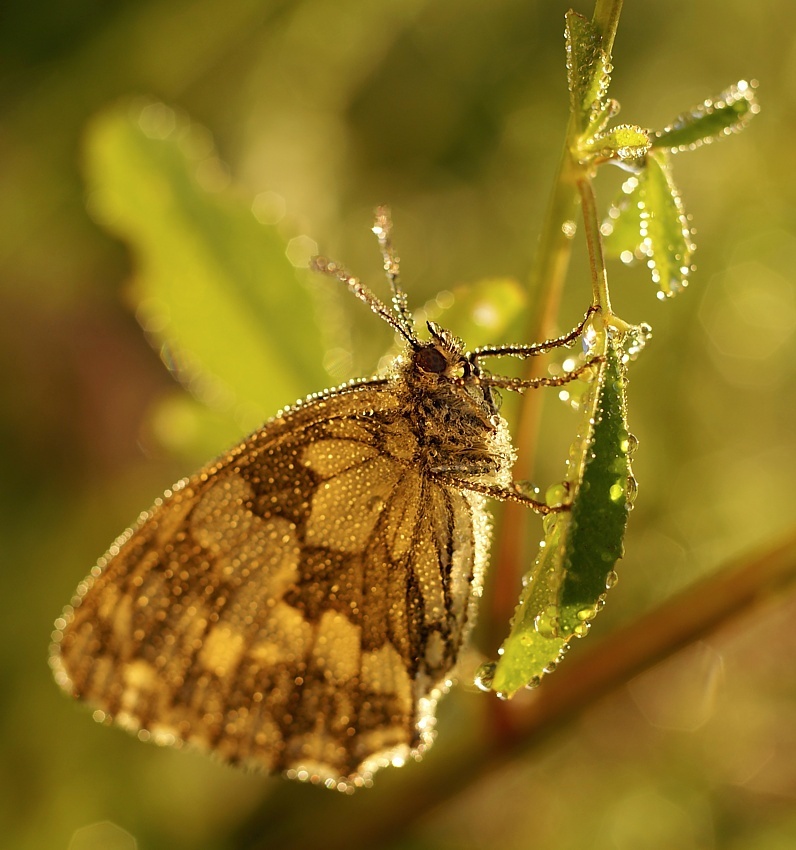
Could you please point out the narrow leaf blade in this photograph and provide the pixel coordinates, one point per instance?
(599, 513)
(721, 116)
(666, 235)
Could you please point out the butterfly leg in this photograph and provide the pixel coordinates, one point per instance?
(520, 384)
(513, 493)
(536, 348)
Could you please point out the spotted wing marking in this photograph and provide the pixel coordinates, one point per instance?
(297, 606)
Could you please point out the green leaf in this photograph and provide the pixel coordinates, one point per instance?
(728, 113)
(566, 585)
(648, 222)
(621, 230)
(489, 311)
(214, 288)
(598, 518)
(627, 143)
(666, 235)
(588, 69)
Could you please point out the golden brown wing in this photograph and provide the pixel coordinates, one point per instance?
(296, 605)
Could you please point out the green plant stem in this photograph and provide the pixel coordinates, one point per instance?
(606, 20)
(546, 286)
(379, 817)
(555, 248)
(599, 276)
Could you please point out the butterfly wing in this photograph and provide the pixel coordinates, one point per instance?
(298, 605)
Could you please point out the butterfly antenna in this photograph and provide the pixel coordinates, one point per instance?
(382, 227)
(332, 269)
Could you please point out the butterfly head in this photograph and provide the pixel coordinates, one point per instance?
(442, 360)
(442, 356)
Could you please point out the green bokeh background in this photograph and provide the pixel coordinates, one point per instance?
(453, 111)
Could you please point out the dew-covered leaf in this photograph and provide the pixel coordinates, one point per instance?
(627, 143)
(567, 583)
(647, 222)
(721, 116)
(588, 69)
(598, 518)
(621, 230)
(214, 288)
(666, 237)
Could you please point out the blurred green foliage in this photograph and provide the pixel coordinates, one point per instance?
(214, 288)
(454, 113)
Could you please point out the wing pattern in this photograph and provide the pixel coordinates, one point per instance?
(296, 606)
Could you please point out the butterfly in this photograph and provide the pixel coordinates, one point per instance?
(299, 604)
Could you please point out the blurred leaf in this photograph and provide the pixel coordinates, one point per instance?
(728, 113)
(183, 427)
(588, 69)
(648, 221)
(214, 289)
(566, 585)
(486, 312)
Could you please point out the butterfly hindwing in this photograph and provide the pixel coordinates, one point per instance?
(296, 606)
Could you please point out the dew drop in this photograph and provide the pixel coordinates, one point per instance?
(485, 675)
(546, 622)
(569, 228)
(549, 523)
(556, 494)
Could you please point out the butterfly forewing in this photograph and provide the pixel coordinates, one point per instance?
(297, 605)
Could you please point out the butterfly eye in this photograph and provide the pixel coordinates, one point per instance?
(431, 360)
